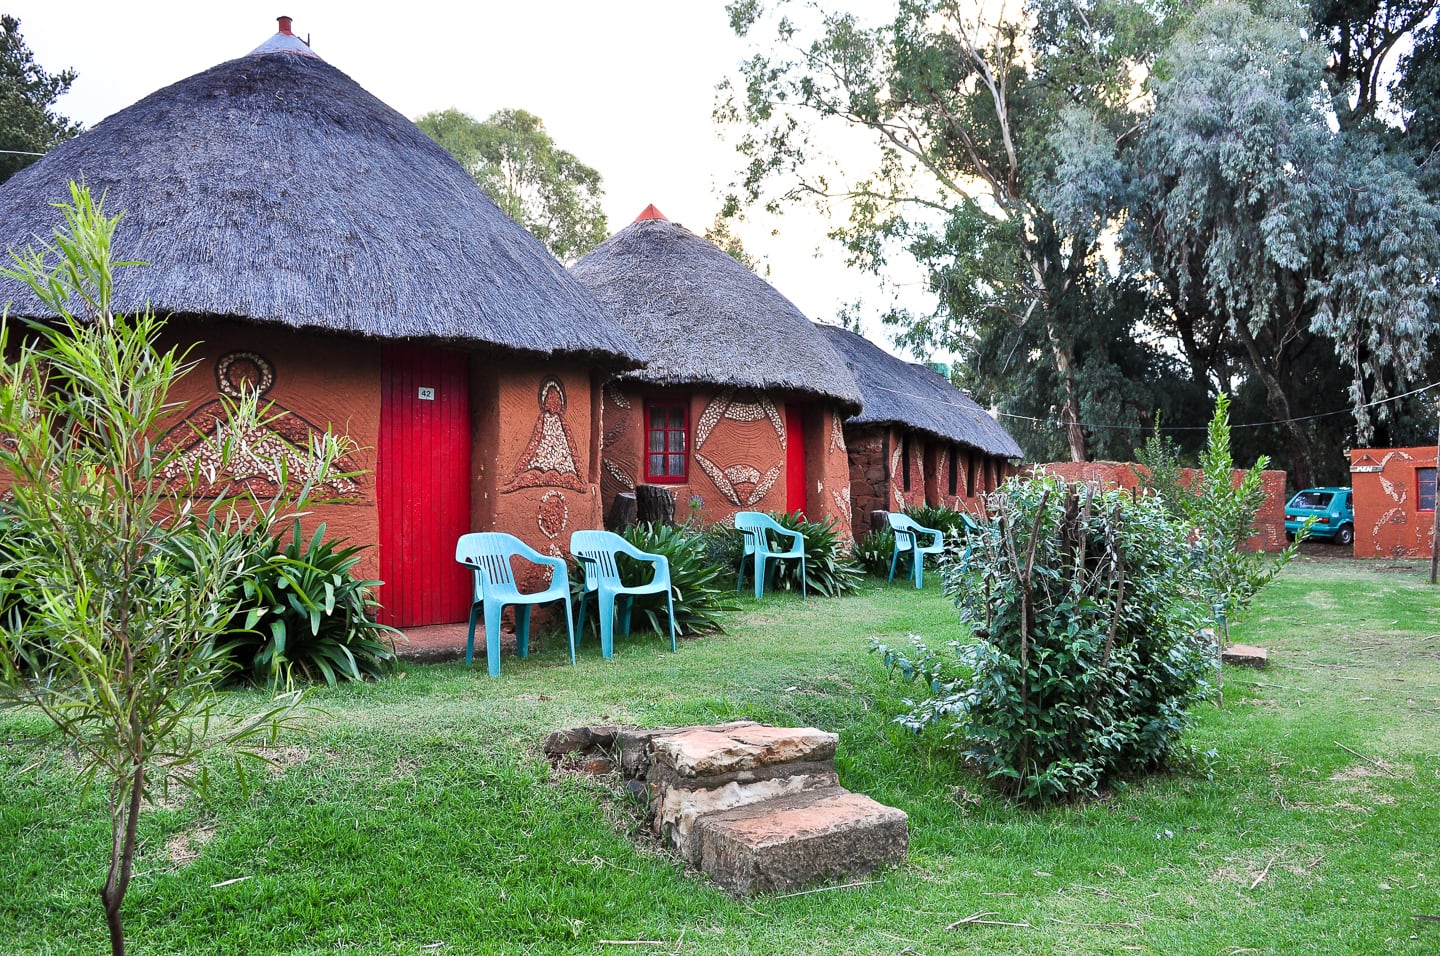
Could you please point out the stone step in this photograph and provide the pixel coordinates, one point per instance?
(791, 842)
(706, 752)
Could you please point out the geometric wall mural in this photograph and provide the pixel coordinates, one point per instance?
(735, 461)
(549, 460)
(277, 456)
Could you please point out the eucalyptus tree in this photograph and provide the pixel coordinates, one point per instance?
(1267, 225)
(972, 111)
(541, 186)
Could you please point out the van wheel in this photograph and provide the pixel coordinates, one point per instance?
(1345, 535)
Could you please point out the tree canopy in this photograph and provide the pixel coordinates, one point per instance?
(29, 126)
(1128, 206)
(543, 187)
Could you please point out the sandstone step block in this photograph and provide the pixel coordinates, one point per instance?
(791, 842)
(703, 752)
(709, 770)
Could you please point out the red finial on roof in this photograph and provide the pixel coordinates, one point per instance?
(285, 25)
(650, 212)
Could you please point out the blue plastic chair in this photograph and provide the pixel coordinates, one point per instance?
(907, 542)
(596, 551)
(754, 525)
(488, 554)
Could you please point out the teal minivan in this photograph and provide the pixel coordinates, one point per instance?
(1333, 510)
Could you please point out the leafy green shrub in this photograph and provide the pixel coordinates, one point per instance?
(1089, 652)
(697, 584)
(301, 612)
(1217, 514)
(874, 550)
(828, 568)
(722, 545)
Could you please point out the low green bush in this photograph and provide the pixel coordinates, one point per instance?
(697, 584)
(304, 612)
(874, 550)
(1088, 650)
(299, 611)
(828, 567)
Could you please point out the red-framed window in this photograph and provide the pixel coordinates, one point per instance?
(1424, 489)
(667, 441)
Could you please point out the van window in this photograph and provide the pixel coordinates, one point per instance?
(1313, 499)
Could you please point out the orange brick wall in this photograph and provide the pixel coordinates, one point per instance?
(1388, 522)
(1270, 522)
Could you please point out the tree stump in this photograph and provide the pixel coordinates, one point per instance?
(654, 505)
(622, 512)
(879, 520)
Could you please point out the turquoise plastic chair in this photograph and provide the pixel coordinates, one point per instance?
(754, 526)
(907, 542)
(596, 551)
(488, 554)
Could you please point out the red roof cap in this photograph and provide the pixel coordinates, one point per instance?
(650, 212)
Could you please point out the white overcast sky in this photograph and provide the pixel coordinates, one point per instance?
(626, 85)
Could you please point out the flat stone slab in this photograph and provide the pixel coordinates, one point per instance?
(792, 842)
(703, 752)
(1246, 655)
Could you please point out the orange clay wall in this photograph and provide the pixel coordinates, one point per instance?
(736, 460)
(1388, 521)
(1269, 523)
(877, 473)
(315, 382)
(534, 452)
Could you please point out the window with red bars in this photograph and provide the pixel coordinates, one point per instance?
(667, 430)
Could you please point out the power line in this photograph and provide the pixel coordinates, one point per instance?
(1170, 428)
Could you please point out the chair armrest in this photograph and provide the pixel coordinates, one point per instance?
(939, 538)
(797, 536)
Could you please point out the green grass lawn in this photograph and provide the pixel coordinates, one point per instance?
(417, 815)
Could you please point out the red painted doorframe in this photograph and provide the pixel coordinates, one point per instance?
(796, 466)
(423, 484)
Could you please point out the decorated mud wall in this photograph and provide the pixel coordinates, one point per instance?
(735, 456)
(535, 444)
(881, 481)
(1270, 522)
(1393, 519)
(312, 383)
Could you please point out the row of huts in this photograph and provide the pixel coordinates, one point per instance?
(313, 243)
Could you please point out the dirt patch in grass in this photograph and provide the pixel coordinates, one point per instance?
(184, 848)
(281, 758)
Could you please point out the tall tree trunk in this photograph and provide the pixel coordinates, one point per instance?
(1278, 404)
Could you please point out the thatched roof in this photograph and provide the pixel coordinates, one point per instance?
(273, 188)
(703, 318)
(912, 396)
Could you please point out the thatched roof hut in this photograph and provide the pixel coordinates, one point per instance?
(914, 397)
(702, 318)
(273, 188)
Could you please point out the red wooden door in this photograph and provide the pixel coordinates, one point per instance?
(423, 485)
(795, 465)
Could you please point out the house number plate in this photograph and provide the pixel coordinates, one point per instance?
(427, 394)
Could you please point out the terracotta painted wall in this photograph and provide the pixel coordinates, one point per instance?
(1270, 522)
(736, 456)
(315, 382)
(1388, 521)
(533, 451)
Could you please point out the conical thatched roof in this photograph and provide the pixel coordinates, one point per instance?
(274, 188)
(702, 318)
(897, 392)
